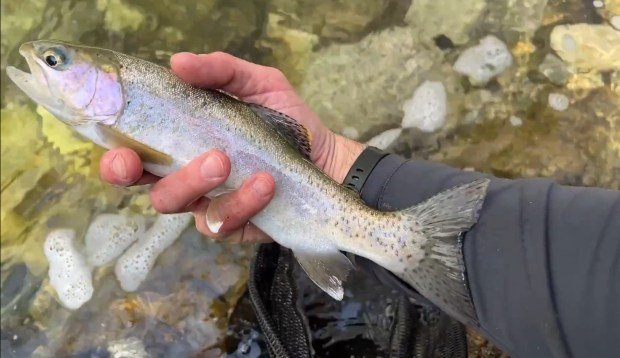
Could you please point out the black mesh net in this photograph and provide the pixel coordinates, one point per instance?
(293, 318)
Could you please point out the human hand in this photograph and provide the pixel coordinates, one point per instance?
(228, 215)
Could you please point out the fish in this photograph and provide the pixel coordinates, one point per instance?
(114, 100)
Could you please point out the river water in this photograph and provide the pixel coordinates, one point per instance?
(554, 111)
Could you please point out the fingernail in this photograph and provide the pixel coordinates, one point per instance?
(214, 221)
(212, 168)
(118, 167)
(262, 186)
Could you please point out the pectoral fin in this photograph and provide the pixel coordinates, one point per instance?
(114, 138)
(328, 270)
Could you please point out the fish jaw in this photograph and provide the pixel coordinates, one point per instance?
(86, 88)
(34, 84)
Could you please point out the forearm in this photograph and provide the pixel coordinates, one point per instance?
(531, 257)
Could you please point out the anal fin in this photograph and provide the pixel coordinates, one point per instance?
(328, 270)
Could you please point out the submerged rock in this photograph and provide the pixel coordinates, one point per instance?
(70, 274)
(615, 22)
(334, 20)
(523, 16)
(587, 46)
(120, 16)
(516, 121)
(109, 235)
(350, 132)
(484, 61)
(558, 101)
(131, 347)
(134, 265)
(554, 69)
(433, 18)
(385, 139)
(358, 84)
(426, 110)
(290, 48)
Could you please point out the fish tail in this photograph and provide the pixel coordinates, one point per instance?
(439, 271)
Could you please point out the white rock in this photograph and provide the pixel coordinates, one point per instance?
(109, 235)
(69, 273)
(134, 265)
(427, 108)
(484, 61)
(131, 347)
(385, 139)
(615, 22)
(598, 3)
(350, 132)
(516, 121)
(558, 101)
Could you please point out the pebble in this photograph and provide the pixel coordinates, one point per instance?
(516, 121)
(558, 101)
(385, 139)
(615, 22)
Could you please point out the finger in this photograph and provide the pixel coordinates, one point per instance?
(175, 192)
(246, 233)
(249, 233)
(223, 71)
(121, 166)
(231, 211)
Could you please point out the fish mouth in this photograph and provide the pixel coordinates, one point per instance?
(34, 83)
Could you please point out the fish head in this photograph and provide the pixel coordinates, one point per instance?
(77, 84)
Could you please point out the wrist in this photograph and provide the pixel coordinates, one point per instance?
(338, 156)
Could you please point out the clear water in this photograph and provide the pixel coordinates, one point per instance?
(355, 63)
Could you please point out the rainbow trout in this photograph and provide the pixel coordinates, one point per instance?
(117, 100)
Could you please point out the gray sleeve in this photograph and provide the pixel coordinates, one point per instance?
(543, 261)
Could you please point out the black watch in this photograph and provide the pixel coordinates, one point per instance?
(363, 166)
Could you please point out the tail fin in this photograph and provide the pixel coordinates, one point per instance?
(440, 273)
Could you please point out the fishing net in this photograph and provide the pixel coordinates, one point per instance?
(379, 315)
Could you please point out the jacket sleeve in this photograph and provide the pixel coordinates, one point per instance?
(543, 261)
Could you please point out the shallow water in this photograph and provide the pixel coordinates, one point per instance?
(355, 63)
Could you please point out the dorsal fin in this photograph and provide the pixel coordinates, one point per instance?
(290, 129)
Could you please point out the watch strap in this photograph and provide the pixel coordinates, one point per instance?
(362, 167)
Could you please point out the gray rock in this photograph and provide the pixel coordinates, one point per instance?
(432, 18)
(361, 85)
(554, 69)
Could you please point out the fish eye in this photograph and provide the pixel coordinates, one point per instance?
(53, 58)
